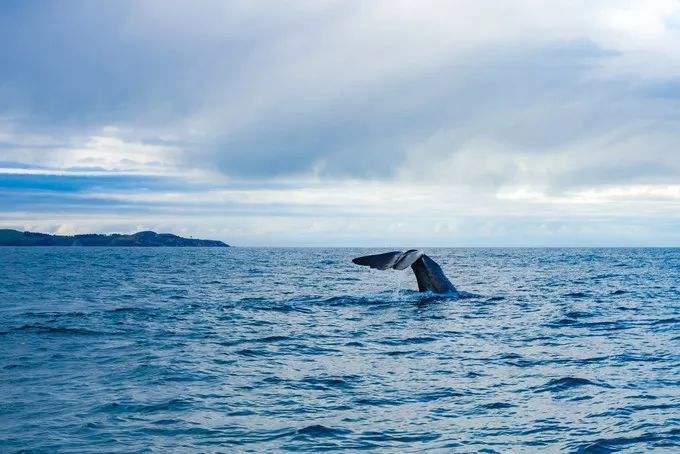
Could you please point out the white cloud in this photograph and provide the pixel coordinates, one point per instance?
(94, 155)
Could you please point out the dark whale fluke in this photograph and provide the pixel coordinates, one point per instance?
(428, 273)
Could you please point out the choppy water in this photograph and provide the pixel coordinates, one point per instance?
(297, 349)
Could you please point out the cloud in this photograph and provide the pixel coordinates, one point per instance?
(345, 108)
(99, 155)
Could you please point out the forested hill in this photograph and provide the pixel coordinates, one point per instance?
(140, 239)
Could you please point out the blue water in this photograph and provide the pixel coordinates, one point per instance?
(204, 350)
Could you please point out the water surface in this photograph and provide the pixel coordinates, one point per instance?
(223, 350)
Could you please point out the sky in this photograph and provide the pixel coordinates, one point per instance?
(344, 123)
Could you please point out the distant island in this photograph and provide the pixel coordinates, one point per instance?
(10, 237)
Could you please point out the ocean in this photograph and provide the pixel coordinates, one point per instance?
(267, 350)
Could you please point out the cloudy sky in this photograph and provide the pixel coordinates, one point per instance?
(452, 123)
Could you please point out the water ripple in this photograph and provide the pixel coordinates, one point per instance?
(270, 350)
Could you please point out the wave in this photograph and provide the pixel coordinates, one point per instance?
(497, 406)
(408, 341)
(662, 439)
(42, 329)
(318, 430)
(400, 436)
(177, 405)
(257, 340)
(389, 298)
(567, 383)
(576, 295)
(345, 382)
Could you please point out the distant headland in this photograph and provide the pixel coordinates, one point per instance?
(10, 237)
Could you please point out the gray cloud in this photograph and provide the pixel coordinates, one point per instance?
(333, 89)
(510, 97)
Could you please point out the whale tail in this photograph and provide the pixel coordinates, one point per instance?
(428, 273)
(396, 260)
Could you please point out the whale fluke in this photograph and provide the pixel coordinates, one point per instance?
(396, 260)
(428, 273)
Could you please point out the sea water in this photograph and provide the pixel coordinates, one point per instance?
(240, 349)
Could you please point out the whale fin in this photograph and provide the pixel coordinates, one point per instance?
(396, 259)
(428, 273)
(407, 259)
(379, 261)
